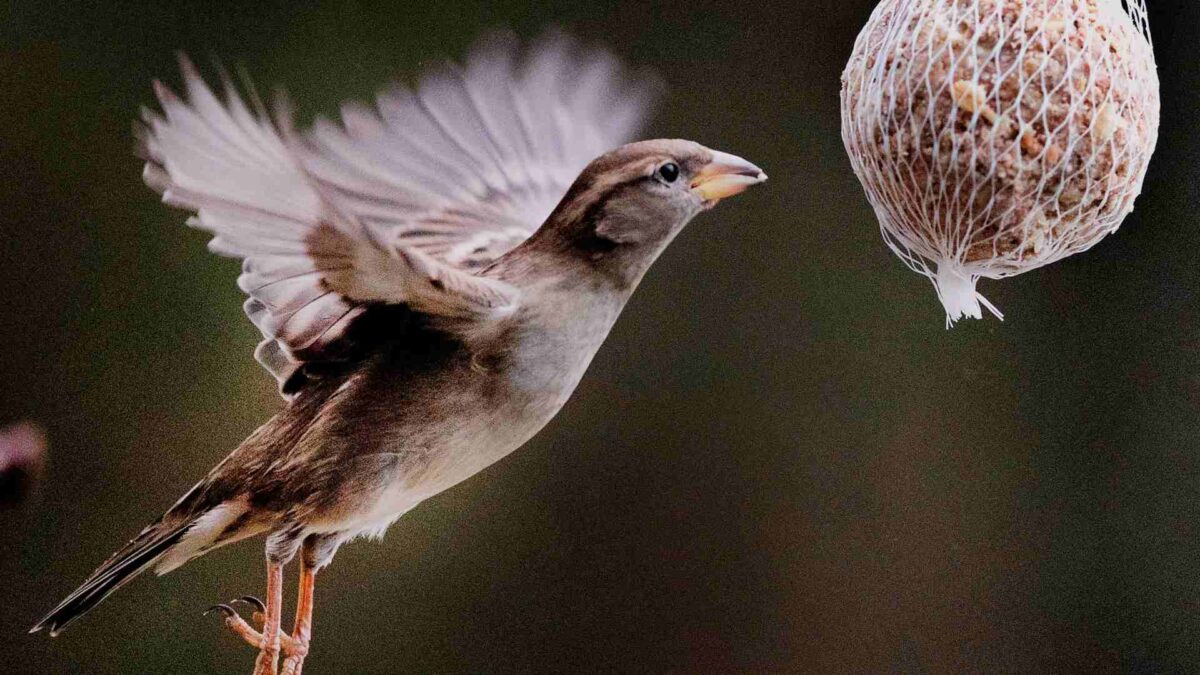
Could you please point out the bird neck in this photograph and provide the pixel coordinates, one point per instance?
(569, 248)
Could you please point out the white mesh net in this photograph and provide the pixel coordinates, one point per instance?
(996, 136)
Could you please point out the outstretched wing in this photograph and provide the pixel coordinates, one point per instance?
(397, 207)
(473, 161)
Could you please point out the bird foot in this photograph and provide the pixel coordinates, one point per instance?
(293, 650)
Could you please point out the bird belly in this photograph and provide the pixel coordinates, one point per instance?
(423, 453)
(482, 413)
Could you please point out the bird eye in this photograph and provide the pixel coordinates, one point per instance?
(669, 172)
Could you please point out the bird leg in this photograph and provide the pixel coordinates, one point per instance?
(294, 663)
(267, 662)
(268, 654)
(318, 551)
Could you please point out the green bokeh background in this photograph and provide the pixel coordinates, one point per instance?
(779, 462)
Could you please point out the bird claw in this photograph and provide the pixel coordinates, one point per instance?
(290, 646)
(223, 608)
(229, 612)
(235, 622)
(259, 616)
(251, 600)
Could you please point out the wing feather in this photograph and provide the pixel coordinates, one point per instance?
(396, 204)
(484, 152)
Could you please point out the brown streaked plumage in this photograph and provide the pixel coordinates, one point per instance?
(415, 336)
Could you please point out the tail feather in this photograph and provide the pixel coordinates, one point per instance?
(145, 550)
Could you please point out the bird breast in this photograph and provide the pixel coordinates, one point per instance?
(499, 401)
(553, 344)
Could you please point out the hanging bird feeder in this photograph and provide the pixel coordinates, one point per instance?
(997, 136)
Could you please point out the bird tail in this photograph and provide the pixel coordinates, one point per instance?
(191, 528)
(134, 558)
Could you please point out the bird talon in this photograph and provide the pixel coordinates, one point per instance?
(250, 600)
(223, 608)
(259, 616)
(287, 644)
(235, 623)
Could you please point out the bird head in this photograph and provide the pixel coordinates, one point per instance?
(630, 203)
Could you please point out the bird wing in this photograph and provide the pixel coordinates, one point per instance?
(397, 207)
(471, 162)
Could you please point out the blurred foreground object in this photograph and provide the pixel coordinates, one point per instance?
(997, 136)
(22, 458)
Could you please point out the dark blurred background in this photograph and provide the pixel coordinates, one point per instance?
(780, 461)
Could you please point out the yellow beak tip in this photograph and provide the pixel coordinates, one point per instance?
(725, 176)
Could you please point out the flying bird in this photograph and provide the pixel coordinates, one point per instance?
(431, 279)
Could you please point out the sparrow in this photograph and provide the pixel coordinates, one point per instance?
(431, 279)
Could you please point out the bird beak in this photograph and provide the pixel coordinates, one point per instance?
(725, 176)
